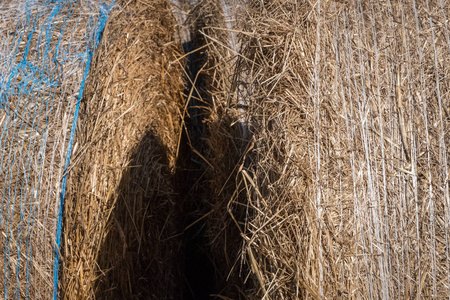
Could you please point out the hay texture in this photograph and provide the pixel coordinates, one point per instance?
(45, 49)
(120, 234)
(348, 190)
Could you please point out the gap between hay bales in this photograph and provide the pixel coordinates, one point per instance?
(212, 151)
(138, 213)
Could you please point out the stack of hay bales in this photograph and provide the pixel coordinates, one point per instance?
(348, 185)
(45, 52)
(121, 217)
(326, 143)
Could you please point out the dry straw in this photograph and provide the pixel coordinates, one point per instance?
(328, 137)
(348, 187)
(120, 223)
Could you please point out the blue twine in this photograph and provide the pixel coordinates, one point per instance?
(32, 79)
(90, 52)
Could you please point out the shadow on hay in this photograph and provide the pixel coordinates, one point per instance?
(199, 277)
(212, 150)
(191, 180)
(159, 245)
(171, 235)
(141, 256)
(209, 198)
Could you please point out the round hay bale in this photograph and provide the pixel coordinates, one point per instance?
(346, 180)
(121, 216)
(349, 177)
(45, 52)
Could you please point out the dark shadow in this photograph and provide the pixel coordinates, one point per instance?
(167, 228)
(199, 276)
(207, 175)
(228, 202)
(142, 256)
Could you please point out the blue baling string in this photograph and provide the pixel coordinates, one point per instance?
(42, 78)
(90, 52)
(32, 78)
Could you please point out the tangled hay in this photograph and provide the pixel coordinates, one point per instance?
(121, 216)
(348, 190)
(347, 186)
(45, 48)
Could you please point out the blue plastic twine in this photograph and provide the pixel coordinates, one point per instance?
(90, 52)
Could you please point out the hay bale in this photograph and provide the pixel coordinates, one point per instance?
(348, 190)
(45, 50)
(121, 216)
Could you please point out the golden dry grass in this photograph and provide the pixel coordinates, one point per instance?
(327, 152)
(120, 209)
(349, 187)
(223, 139)
(347, 190)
